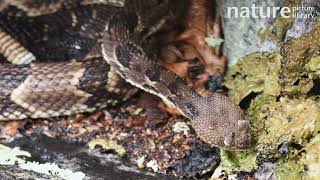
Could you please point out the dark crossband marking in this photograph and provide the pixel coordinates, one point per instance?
(37, 96)
(153, 73)
(173, 88)
(192, 109)
(127, 52)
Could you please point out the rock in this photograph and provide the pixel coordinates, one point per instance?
(70, 156)
(244, 36)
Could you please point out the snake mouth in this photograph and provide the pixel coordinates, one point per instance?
(242, 138)
(239, 143)
(245, 141)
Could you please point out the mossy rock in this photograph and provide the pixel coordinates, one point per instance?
(284, 112)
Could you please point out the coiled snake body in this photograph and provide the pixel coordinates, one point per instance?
(64, 57)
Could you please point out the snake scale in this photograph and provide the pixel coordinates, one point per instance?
(64, 57)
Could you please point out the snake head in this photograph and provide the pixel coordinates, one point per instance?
(220, 122)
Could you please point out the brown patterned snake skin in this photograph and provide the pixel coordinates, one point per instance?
(64, 57)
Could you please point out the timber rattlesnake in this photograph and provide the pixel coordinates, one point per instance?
(52, 63)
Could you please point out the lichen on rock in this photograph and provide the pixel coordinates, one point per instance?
(284, 121)
(241, 161)
(281, 90)
(311, 158)
(289, 170)
(258, 72)
(297, 80)
(107, 145)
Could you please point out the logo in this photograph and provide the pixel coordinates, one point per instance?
(260, 12)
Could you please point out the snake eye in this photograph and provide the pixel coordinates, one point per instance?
(228, 139)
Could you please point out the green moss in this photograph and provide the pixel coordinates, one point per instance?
(297, 53)
(277, 31)
(181, 127)
(281, 122)
(107, 145)
(313, 67)
(311, 158)
(280, 26)
(214, 42)
(283, 113)
(289, 171)
(239, 161)
(258, 72)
